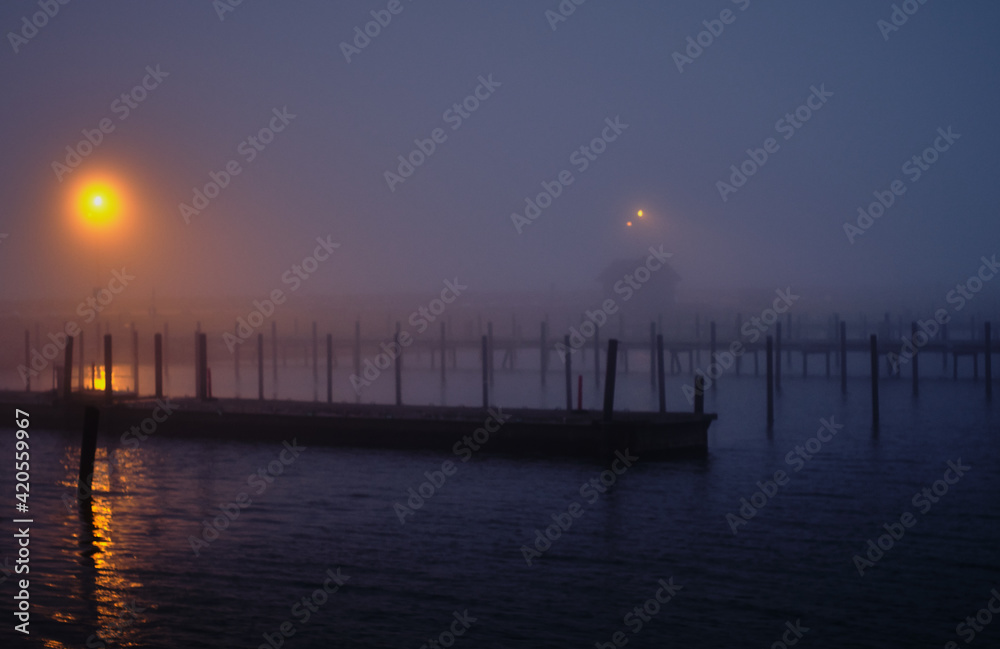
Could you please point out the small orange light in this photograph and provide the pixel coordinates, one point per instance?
(629, 224)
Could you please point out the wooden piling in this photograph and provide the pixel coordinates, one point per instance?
(274, 356)
(486, 373)
(874, 372)
(597, 357)
(88, 449)
(107, 367)
(79, 370)
(569, 372)
(609, 380)
(579, 392)
(203, 367)
(699, 394)
(769, 363)
(661, 385)
(68, 369)
(843, 357)
(158, 364)
(166, 351)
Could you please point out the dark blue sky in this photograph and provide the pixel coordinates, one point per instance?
(325, 173)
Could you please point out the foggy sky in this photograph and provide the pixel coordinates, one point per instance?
(324, 174)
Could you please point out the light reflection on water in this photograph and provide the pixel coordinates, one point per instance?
(334, 508)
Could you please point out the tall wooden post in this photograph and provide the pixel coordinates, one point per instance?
(166, 351)
(569, 372)
(711, 350)
(652, 354)
(660, 378)
(274, 356)
(135, 360)
(79, 370)
(609, 380)
(874, 372)
(158, 362)
(489, 350)
(203, 367)
(68, 369)
(597, 357)
(699, 394)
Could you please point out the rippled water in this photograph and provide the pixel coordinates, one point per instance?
(128, 572)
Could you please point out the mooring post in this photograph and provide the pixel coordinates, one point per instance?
(697, 338)
(260, 367)
(135, 360)
(544, 351)
(203, 366)
(88, 449)
(489, 350)
(197, 362)
(777, 355)
(399, 368)
(166, 351)
(158, 363)
(660, 378)
(843, 357)
(569, 372)
(444, 348)
(874, 371)
(609, 380)
(107, 367)
(486, 374)
(988, 360)
(916, 357)
(788, 335)
(68, 369)
(769, 364)
(699, 394)
(652, 354)
(711, 348)
(579, 392)
(329, 368)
